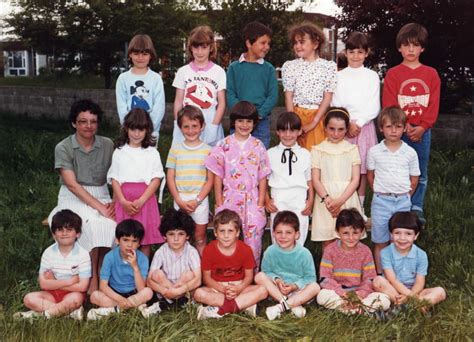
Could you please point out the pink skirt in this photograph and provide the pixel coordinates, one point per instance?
(365, 140)
(149, 214)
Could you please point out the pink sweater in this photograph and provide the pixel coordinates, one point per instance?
(344, 271)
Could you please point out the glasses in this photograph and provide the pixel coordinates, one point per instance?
(84, 122)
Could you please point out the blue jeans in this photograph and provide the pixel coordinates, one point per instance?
(262, 131)
(422, 149)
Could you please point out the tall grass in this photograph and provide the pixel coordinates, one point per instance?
(28, 190)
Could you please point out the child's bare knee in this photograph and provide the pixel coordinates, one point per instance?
(199, 294)
(95, 297)
(158, 275)
(260, 277)
(28, 300)
(441, 293)
(378, 282)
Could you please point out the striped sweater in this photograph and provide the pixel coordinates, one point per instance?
(344, 271)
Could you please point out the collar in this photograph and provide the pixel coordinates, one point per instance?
(242, 59)
(76, 145)
(294, 147)
(385, 148)
(75, 248)
(195, 68)
(411, 254)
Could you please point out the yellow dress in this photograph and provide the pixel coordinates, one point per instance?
(335, 162)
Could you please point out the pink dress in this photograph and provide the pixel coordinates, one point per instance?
(241, 167)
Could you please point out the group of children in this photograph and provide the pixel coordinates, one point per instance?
(321, 166)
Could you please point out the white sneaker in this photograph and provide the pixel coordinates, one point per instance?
(299, 311)
(96, 314)
(27, 314)
(273, 312)
(77, 314)
(151, 310)
(251, 310)
(208, 312)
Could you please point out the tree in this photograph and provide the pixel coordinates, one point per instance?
(92, 35)
(450, 46)
(228, 19)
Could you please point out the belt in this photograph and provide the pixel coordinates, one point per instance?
(392, 194)
(308, 106)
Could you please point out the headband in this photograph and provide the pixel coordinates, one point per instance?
(338, 110)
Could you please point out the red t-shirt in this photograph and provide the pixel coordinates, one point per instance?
(227, 267)
(416, 91)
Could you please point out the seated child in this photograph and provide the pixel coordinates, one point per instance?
(290, 180)
(64, 274)
(347, 270)
(123, 273)
(405, 265)
(288, 271)
(176, 267)
(227, 271)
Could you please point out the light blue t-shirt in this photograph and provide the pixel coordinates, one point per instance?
(119, 273)
(405, 267)
(293, 267)
(141, 91)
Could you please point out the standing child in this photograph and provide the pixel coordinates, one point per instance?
(227, 271)
(189, 182)
(141, 87)
(201, 83)
(135, 175)
(416, 89)
(405, 265)
(358, 90)
(347, 266)
(176, 268)
(392, 173)
(335, 174)
(123, 274)
(288, 271)
(308, 82)
(253, 79)
(290, 180)
(240, 165)
(64, 274)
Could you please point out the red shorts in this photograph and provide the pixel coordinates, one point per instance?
(60, 294)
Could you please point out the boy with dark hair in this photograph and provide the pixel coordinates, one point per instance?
(392, 174)
(227, 271)
(288, 272)
(175, 270)
(405, 265)
(253, 79)
(64, 274)
(123, 273)
(416, 89)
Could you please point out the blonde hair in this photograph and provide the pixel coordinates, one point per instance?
(201, 35)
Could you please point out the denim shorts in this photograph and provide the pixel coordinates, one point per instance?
(382, 209)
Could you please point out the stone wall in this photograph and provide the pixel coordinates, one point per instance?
(55, 103)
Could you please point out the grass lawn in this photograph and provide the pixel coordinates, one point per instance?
(28, 190)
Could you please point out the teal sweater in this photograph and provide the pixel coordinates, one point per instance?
(293, 267)
(252, 82)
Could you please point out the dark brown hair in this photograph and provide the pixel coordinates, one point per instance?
(338, 113)
(412, 33)
(406, 220)
(357, 40)
(288, 120)
(66, 219)
(287, 217)
(227, 216)
(137, 118)
(350, 217)
(243, 110)
(254, 30)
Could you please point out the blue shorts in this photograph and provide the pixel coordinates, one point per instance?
(382, 209)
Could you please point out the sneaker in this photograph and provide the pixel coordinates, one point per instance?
(299, 311)
(96, 314)
(27, 314)
(153, 309)
(273, 312)
(77, 314)
(251, 310)
(205, 312)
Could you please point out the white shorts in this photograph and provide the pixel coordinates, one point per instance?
(201, 214)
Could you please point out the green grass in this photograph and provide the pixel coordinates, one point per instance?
(28, 190)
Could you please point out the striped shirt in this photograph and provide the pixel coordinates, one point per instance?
(393, 169)
(188, 162)
(174, 265)
(77, 262)
(344, 271)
